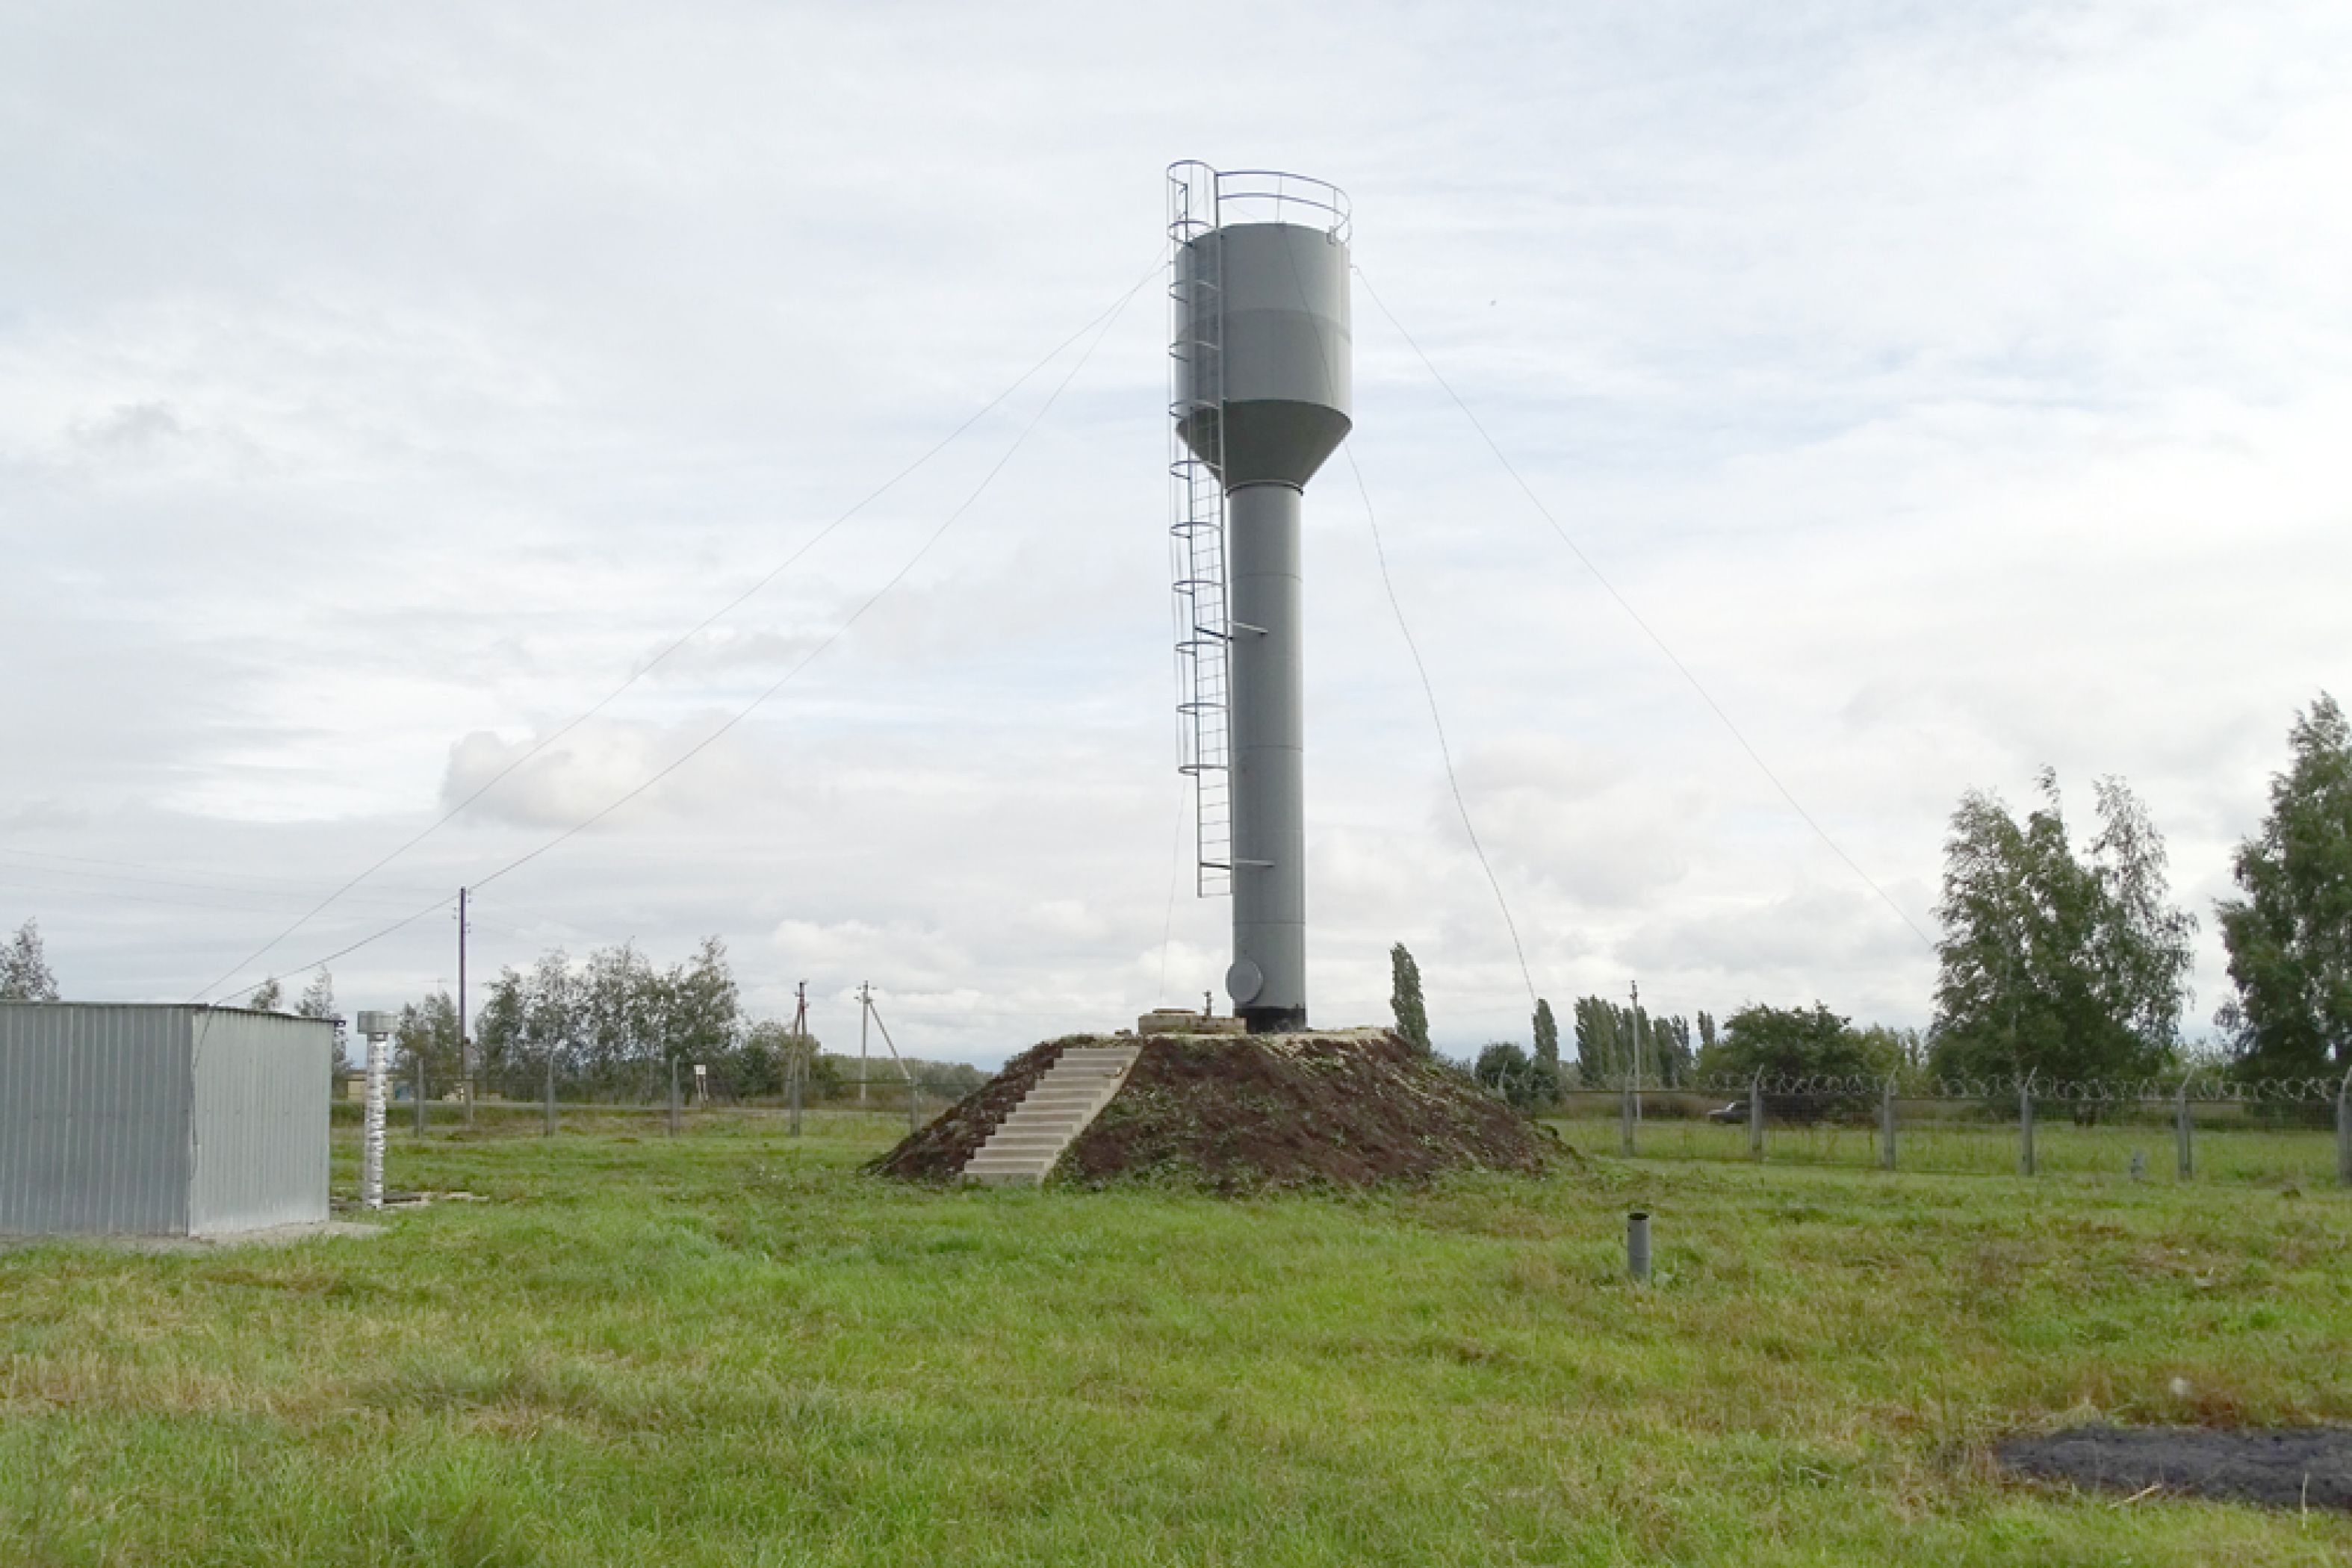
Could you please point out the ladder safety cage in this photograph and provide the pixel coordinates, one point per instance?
(1197, 518)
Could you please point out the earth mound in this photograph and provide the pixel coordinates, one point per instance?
(1236, 1112)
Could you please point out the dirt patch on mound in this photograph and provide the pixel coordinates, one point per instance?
(2294, 1467)
(1236, 1112)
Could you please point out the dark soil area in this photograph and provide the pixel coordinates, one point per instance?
(2296, 1467)
(1239, 1113)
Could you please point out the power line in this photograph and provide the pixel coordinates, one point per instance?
(1106, 320)
(1635, 616)
(1105, 317)
(326, 958)
(1438, 722)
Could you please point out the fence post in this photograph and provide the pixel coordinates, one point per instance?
(548, 1130)
(2343, 1131)
(1626, 1115)
(2184, 1134)
(420, 1094)
(1886, 1126)
(673, 1096)
(1756, 1117)
(914, 1106)
(2025, 1127)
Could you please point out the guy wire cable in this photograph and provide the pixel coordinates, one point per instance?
(835, 634)
(1107, 321)
(1438, 722)
(1109, 313)
(1428, 689)
(1635, 616)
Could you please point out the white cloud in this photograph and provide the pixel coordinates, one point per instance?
(1955, 392)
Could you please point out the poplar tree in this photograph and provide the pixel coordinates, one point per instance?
(1547, 1035)
(1405, 999)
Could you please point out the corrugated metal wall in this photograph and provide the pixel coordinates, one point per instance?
(93, 1118)
(259, 1120)
(160, 1120)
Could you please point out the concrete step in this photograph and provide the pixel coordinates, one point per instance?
(1058, 1107)
(1061, 1110)
(1004, 1140)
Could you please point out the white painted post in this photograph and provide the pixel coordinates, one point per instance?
(376, 1026)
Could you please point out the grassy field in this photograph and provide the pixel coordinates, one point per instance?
(2304, 1157)
(731, 1348)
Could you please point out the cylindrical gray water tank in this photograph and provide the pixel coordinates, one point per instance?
(1267, 306)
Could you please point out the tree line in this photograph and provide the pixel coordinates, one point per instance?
(610, 1026)
(2059, 962)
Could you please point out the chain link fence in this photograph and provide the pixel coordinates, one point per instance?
(2286, 1132)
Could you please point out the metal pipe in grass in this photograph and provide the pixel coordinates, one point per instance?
(2343, 1131)
(2184, 1136)
(1637, 1245)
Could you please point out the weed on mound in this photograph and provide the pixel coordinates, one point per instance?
(1240, 1112)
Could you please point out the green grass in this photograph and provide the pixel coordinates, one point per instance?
(2278, 1158)
(731, 1348)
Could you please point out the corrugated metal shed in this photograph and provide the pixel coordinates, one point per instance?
(160, 1120)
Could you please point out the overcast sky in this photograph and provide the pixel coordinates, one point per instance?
(1957, 390)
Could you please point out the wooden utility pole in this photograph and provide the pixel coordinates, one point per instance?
(1641, 1048)
(464, 1040)
(796, 1068)
(865, 1011)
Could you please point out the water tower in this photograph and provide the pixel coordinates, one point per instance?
(1259, 355)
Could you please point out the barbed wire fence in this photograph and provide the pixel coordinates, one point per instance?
(2292, 1130)
(665, 1095)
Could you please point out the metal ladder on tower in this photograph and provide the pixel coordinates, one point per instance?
(1197, 524)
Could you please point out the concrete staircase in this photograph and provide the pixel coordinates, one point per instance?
(1050, 1117)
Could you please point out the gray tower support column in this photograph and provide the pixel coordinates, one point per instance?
(1268, 978)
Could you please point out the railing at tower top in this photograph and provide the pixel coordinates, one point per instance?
(1221, 197)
